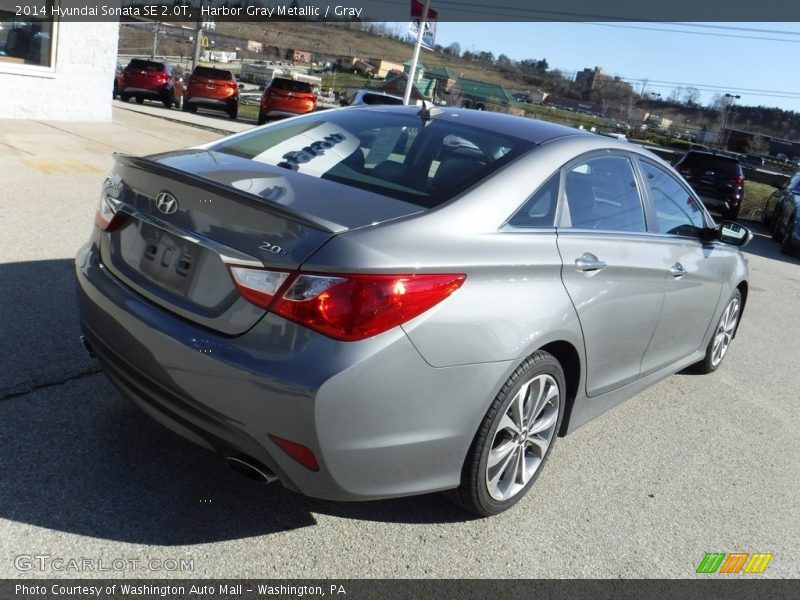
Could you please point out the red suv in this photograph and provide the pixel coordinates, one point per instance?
(286, 98)
(208, 87)
(149, 79)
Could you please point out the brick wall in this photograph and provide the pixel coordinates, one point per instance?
(80, 87)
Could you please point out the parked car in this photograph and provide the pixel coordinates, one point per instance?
(151, 80)
(781, 215)
(209, 87)
(364, 97)
(118, 73)
(286, 98)
(753, 161)
(717, 178)
(363, 317)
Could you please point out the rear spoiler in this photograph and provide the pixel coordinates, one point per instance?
(226, 191)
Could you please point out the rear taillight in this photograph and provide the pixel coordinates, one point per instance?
(355, 307)
(345, 307)
(258, 286)
(738, 180)
(106, 217)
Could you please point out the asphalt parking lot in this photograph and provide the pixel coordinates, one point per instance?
(694, 464)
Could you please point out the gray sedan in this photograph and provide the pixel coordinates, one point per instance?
(377, 302)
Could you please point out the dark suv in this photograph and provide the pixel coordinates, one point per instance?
(717, 178)
(208, 87)
(147, 79)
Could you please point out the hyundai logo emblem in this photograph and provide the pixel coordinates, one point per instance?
(166, 203)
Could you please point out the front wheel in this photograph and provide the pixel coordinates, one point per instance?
(514, 439)
(723, 335)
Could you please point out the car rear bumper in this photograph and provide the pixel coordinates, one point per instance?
(145, 92)
(380, 420)
(222, 103)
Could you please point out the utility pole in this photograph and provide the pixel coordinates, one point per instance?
(413, 71)
(155, 40)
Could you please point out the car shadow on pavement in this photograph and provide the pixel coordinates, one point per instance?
(763, 245)
(76, 457)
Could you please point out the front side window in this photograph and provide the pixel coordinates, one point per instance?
(677, 212)
(601, 194)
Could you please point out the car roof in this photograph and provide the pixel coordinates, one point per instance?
(533, 130)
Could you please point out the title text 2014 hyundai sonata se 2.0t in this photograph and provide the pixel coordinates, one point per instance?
(385, 301)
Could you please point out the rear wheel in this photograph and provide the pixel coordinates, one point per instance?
(193, 109)
(786, 242)
(124, 97)
(185, 106)
(233, 112)
(262, 118)
(139, 100)
(167, 101)
(732, 214)
(514, 439)
(723, 335)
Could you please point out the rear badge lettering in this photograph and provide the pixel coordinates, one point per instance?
(273, 249)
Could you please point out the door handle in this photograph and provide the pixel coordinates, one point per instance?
(677, 270)
(589, 262)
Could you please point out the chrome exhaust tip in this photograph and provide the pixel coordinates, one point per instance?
(251, 469)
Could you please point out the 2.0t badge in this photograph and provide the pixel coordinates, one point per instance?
(166, 203)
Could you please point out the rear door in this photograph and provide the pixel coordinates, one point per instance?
(612, 272)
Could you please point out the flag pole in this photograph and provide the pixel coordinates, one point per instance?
(413, 71)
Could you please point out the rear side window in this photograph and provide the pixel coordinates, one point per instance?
(394, 154)
(212, 73)
(677, 212)
(540, 209)
(380, 99)
(145, 65)
(601, 193)
(290, 85)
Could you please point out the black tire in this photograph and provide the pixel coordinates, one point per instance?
(124, 97)
(787, 247)
(709, 364)
(233, 112)
(261, 118)
(732, 214)
(193, 109)
(139, 100)
(167, 101)
(474, 494)
(185, 106)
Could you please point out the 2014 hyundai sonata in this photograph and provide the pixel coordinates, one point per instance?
(377, 302)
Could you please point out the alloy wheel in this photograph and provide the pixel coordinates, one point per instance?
(724, 333)
(523, 436)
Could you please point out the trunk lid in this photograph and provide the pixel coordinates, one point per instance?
(189, 215)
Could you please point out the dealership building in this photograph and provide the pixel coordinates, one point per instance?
(55, 70)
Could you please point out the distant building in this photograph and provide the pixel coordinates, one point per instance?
(298, 56)
(587, 78)
(254, 46)
(445, 79)
(381, 68)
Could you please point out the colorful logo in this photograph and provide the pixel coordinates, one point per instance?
(734, 562)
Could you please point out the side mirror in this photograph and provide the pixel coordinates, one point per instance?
(734, 234)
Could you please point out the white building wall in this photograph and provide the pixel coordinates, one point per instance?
(79, 88)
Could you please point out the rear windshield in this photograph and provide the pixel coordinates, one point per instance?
(711, 162)
(146, 65)
(394, 154)
(290, 85)
(212, 73)
(380, 99)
